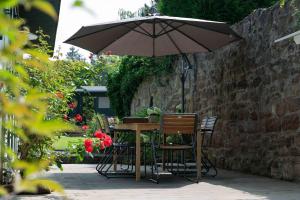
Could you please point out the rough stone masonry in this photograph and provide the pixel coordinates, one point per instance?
(253, 86)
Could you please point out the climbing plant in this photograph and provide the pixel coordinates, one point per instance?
(130, 72)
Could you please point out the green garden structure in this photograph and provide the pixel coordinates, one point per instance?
(101, 100)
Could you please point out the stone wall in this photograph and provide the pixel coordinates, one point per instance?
(253, 86)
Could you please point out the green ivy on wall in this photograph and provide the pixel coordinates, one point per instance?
(131, 71)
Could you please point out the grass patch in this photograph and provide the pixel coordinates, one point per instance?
(63, 142)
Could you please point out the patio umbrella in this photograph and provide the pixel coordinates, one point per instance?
(155, 36)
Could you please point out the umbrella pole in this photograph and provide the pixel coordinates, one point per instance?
(184, 73)
(182, 92)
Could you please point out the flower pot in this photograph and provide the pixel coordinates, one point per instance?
(153, 118)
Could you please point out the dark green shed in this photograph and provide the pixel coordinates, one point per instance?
(101, 100)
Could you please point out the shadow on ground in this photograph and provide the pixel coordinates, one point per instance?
(83, 182)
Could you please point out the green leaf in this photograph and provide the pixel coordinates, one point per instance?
(52, 185)
(29, 185)
(38, 55)
(49, 128)
(2, 191)
(78, 3)
(8, 3)
(282, 3)
(45, 7)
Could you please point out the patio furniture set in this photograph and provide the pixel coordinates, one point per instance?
(183, 156)
(156, 36)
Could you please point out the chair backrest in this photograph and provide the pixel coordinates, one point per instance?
(99, 122)
(208, 124)
(106, 124)
(184, 123)
(103, 123)
(207, 128)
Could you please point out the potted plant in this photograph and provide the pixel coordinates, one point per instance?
(153, 114)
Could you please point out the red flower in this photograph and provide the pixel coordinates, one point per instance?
(72, 105)
(107, 141)
(66, 117)
(78, 118)
(85, 127)
(99, 134)
(88, 143)
(102, 146)
(89, 149)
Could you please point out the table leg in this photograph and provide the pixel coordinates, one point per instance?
(114, 152)
(138, 155)
(199, 155)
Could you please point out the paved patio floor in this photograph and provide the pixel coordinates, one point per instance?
(82, 182)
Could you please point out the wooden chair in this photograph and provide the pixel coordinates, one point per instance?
(183, 125)
(207, 129)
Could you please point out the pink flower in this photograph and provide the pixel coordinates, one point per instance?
(78, 118)
(66, 117)
(72, 105)
(85, 127)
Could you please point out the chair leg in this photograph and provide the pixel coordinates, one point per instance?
(145, 165)
(154, 167)
(209, 165)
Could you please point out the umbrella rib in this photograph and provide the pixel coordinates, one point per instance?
(210, 29)
(178, 49)
(199, 43)
(81, 36)
(138, 31)
(98, 51)
(146, 32)
(163, 29)
(163, 33)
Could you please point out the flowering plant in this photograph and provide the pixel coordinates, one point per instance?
(101, 141)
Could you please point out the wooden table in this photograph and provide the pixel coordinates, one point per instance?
(140, 127)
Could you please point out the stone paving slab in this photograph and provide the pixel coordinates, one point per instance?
(82, 182)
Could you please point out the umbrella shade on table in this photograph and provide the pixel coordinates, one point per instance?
(154, 36)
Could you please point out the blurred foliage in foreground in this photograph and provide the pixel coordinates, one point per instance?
(31, 99)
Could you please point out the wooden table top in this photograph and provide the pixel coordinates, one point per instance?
(140, 126)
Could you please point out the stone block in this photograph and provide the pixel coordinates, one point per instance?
(281, 109)
(293, 103)
(297, 171)
(272, 124)
(290, 122)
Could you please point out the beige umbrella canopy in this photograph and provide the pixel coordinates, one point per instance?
(155, 36)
